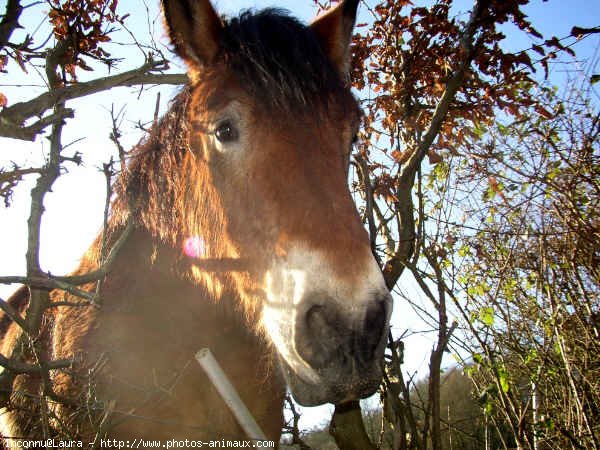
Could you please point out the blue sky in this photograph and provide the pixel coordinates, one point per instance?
(74, 209)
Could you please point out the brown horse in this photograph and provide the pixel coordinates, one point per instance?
(246, 241)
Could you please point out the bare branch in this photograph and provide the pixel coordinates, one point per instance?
(369, 200)
(115, 135)
(108, 174)
(12, 313)
(10, 21)
(405, 245)
(38, 298)
(293, 429)
(20, 368)
(103, 270)
(29, 133)
(10, 179)
(348, 429)
(67, 283)
(13, 117)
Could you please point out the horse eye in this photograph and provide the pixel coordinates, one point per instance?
(226, 132)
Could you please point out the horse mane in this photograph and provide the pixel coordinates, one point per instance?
(152, 185)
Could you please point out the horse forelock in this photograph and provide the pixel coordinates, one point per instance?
(278, 60)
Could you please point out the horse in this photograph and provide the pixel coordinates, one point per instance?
(244, 239)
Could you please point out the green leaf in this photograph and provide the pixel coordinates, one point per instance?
(463, 279)
(489, 408)
(479, 130)
(503, 377)
(486, 316)
(464, 250)
(531, 356)
(503, 130)
(478, 289)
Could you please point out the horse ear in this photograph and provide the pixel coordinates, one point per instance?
(334, 29)
(195, 30)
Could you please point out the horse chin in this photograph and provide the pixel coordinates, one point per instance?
(331, 387)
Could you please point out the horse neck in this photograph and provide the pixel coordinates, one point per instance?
(223, 281)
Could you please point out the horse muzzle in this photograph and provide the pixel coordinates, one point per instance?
(330, 332)
(343, 346)
(331, 353)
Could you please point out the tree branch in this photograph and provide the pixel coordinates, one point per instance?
(67, 283)
(294, 429)
(39, 299)
(409, 169)
(10, 179)
(13, 117)
(406, 178)
(363, 171)
(104, 269)
(12, 313)
(347, 428)
(10, 21)
(405, 246)
(20, 368)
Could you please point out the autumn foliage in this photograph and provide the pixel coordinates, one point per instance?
(83, 27)
(404, 60)
(79, 29)
(432, 81)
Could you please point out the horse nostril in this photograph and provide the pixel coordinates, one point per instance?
(315, 319)
(375, 318)
(318, 340)
(329, 336)
(373, 330)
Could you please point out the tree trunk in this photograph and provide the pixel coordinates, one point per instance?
(347, 428)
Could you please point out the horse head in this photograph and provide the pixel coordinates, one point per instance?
(272, 124)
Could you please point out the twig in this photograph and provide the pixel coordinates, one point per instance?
(49, 282)
(104, 269)
(28, 133)
(108, 173)
(45, 282)
(156, 109)
(38, 298)
(294, 430)
(115, 135)
(370, 200)
(12, 313)
(9, 180)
